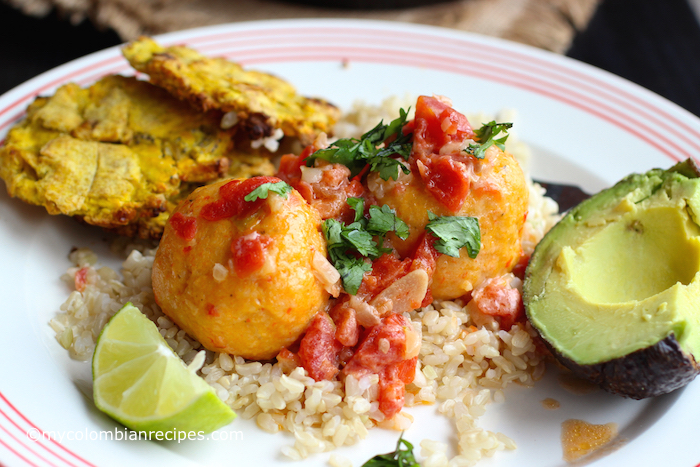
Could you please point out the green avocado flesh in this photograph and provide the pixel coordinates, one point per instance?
(620, 272)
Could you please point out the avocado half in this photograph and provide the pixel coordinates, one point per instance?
(614, 288)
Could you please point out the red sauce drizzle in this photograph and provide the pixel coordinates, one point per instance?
(232, 201)
(185, 226)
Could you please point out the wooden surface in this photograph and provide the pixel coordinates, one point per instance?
(548, 24)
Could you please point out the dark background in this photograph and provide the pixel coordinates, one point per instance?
(655, 43)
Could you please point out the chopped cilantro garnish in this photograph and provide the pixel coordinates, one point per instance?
(358, 205)
(261, 192)
(356, 154)
(399, 458)
(487, 136)
(454, 233)
(383, 220)
(351, 268)
(346, 242)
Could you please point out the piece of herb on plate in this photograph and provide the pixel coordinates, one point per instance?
(371, 149)
(401, 457)
(350, 246)
(453, 233)
(487, 136)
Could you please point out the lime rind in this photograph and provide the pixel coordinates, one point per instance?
(141, 382)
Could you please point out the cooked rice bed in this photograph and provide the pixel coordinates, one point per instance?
(461, 368)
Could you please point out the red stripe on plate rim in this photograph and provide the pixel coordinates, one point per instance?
(25, 433)
(521, 59)
(517, 54)
(9, 448)
(26, 420)
(61, 79)
(496, 73)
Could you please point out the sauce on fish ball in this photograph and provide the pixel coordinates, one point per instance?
(237, 275)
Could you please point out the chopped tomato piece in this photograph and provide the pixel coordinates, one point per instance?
(81, 279)
(437, 124)
(290, 165)
(329, 194)
(391, 396)
(386, 270)
(447, 180)
(382, 352)
(446, 176)
(318, 351)
(406, 370)
(248, 252)
(497, 298)
(347, 329)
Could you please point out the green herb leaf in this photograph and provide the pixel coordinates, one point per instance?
(487, 136)
(383, 220)
(356, 154)
(360, 240)
(387, 167)
(454, 233)
(399, 458)
(261, 192)
(349, 245)
(358, 205)
(351, 271)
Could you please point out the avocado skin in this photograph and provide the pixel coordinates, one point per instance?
(653, 371)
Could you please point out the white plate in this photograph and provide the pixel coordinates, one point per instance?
(585, 127)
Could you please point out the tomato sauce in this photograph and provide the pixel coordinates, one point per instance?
(328, 195)
(446, 176)
(382, 351)
(248, 252)
(497, 298)
(318, 351)
(184, 226)
(232, 201)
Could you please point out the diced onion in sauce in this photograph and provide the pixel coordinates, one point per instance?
(311, 174)
(326, 274)
(219, 272)
(366, 314)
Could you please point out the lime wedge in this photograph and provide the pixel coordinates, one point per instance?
(139, 381)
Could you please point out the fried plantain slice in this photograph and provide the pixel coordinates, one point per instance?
(258, 102)
(119, 154)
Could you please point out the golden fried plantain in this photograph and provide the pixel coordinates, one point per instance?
(119, 154)
(261, 102)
